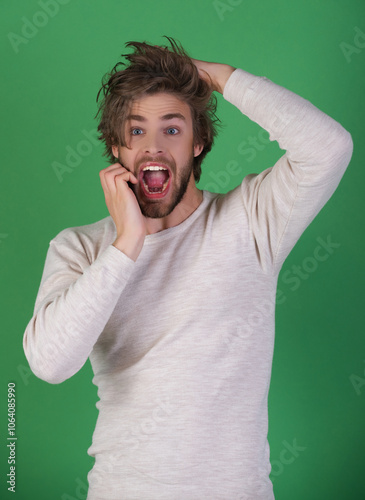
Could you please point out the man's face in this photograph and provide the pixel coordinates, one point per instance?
(159, 132)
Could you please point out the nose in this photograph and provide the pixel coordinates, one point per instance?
(153, 144)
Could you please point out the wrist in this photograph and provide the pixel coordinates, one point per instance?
(131, 247)
(222, 74)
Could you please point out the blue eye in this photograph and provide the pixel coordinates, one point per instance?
(172, 131)
(136, 131)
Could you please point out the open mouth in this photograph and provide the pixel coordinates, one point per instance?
(155, 180)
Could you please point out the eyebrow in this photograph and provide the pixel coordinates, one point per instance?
(169, 116)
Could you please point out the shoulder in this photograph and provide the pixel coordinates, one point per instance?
(230, 201)
(89, 239)
(225, 210)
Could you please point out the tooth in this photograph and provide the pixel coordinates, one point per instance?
(154, 168)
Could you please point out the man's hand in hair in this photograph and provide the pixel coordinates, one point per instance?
(215, 74)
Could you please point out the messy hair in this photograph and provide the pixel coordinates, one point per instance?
(154, 69)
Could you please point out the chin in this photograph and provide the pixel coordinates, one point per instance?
(157, 209)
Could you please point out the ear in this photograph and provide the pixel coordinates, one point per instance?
(198, 148)
(115, 151)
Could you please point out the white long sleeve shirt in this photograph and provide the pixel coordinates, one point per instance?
(181, 341)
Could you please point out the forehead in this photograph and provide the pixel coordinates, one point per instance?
(160, 106)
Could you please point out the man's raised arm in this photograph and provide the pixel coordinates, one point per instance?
(282, 200)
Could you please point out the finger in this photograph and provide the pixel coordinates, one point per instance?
(107, 174)
(116, 178)
(110, 168)
(126, 176)
(103, 178)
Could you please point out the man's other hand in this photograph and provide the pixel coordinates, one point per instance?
(124, 209)
(215, 74)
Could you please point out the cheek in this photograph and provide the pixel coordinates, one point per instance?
(126, 158)
(185, 148)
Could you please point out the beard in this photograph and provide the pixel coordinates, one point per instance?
(159, 208)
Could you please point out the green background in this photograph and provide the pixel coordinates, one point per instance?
(49, 82)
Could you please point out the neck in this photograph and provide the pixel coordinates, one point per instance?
(190, 202)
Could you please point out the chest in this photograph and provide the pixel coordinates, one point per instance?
(207, 291)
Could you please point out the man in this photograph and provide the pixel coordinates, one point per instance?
(172, 296)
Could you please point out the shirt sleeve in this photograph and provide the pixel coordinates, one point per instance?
(74, 302)
(282, 200)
